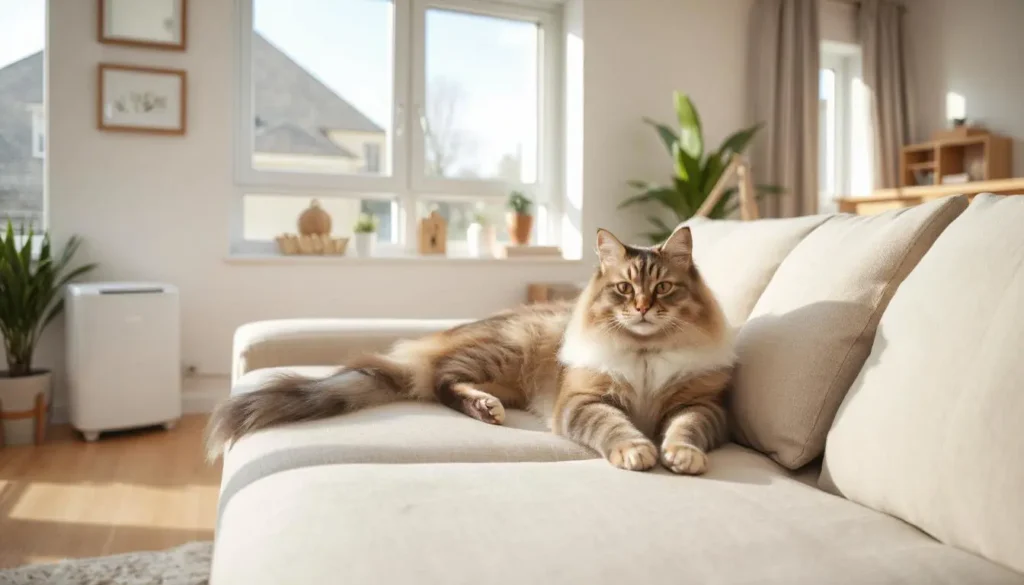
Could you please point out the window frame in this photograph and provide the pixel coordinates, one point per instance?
(407, 184)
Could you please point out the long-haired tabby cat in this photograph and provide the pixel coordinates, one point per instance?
(642, 357)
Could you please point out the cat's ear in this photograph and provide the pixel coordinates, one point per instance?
(679, 245)
(609, 249)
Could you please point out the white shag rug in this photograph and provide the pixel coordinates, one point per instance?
(188, 564)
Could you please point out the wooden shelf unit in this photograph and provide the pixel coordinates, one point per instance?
(983, 155)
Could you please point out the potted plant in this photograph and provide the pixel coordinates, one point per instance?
(696, 171)
(481, 236)
(520, 221)
(31, 296)
(365, 234)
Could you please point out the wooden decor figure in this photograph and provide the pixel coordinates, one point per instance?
(433, 234)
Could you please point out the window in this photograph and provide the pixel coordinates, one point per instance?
(845, 153)
(398, 107)
(38, 131)
(22, 112)
(371, 157)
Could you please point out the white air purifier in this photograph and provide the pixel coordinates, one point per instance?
(123, 356)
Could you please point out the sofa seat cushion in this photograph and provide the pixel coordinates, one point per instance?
(746, 521)
(813, 327)
(396, 433)
(931, 431)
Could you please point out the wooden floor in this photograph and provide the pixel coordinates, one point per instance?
(140, 490)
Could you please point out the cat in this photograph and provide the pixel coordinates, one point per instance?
(643, 355)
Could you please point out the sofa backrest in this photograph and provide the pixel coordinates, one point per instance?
(932, 429)
(813, 326)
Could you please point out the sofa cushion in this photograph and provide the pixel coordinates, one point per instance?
(738, 258)
(931, 431)
(744, 522)
(396, 433)
(812, 328)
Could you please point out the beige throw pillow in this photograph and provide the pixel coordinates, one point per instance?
(932, 430)
(813, 327)
(738, 258)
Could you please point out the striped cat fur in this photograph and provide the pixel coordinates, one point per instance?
(634, 369)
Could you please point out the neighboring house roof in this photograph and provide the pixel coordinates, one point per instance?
(290, 139)
(290, 102)
(21, 84)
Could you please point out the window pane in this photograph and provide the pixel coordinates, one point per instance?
(827, 132)
(267, 216)
(22, 112)
(462, 213)
(480, 118)
(322, 85)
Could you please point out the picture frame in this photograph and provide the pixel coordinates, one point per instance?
(149, 24)
(141, 99)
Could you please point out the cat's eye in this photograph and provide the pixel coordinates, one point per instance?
(624, 288)
(663, 287)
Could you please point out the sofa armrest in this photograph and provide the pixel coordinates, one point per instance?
(320, 342)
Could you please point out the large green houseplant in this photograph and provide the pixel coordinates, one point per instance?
(31, 297)
(696, 170)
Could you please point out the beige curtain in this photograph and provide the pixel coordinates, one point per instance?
(885, 75)
(785, 59)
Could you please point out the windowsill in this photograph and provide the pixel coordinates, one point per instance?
(278, 259)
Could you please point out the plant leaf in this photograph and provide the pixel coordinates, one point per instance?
(691, 135)
(738, 141)
(658, 223)
(655, 194)
(668, 136)
(713, 170)
(769, 189)
(687, 167)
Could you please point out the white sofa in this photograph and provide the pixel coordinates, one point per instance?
(876, 420)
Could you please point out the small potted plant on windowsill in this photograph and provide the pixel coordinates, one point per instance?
(481, 236)
(365, 230)
(520, 221)
(31, 296)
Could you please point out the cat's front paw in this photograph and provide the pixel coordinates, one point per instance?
(633, 455)
(684, 458)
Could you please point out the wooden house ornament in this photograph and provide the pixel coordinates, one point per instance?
(433, 234)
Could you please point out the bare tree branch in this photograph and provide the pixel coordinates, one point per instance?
(444, 138)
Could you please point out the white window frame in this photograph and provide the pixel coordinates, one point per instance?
(407, 184)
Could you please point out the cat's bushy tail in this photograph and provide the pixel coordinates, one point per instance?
(292, 398)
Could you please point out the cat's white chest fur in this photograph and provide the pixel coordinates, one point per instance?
(646, 372)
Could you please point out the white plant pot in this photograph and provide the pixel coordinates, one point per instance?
(481, 240)
(365, 244)
(18, 398)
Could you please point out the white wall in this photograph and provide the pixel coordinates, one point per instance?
(637, 53)
(159, 207)
(974, 48)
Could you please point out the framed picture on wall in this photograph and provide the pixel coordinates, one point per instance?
(141, 99)
(154, 24)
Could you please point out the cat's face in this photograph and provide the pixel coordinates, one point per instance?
(646, 292)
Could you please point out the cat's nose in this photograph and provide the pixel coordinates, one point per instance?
(643, 305)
